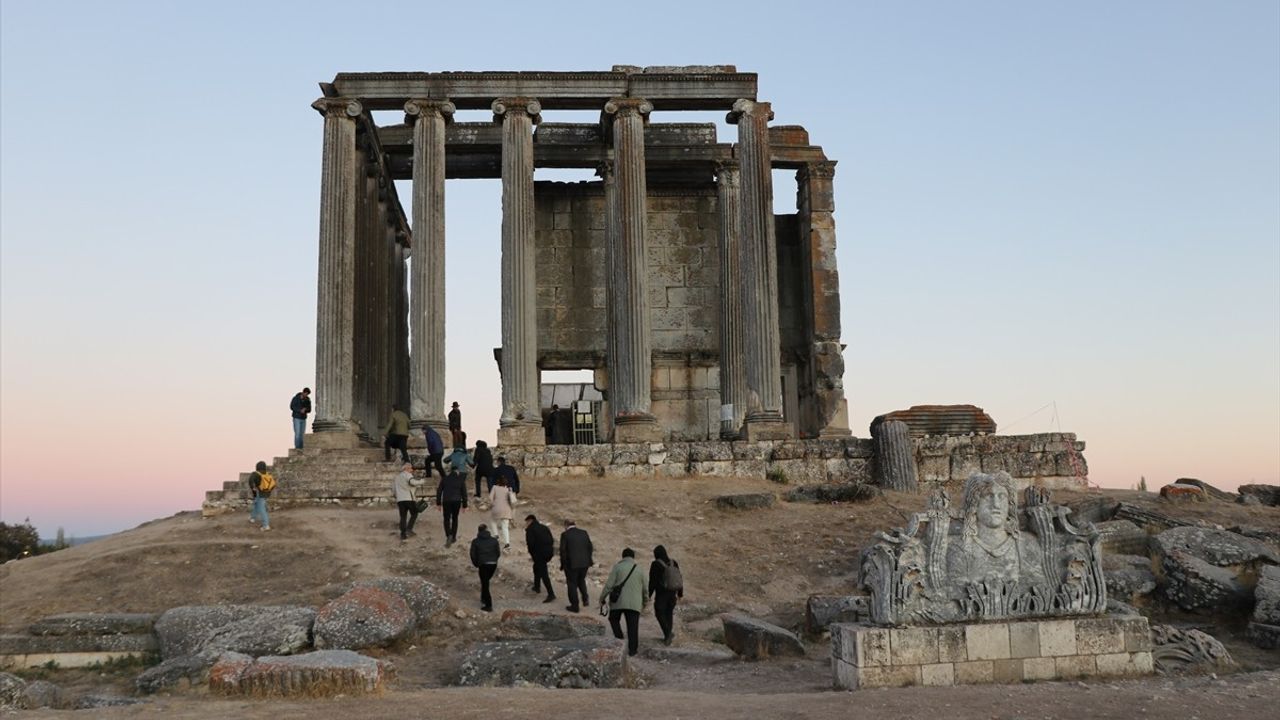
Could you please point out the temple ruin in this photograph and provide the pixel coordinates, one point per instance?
(702, 314)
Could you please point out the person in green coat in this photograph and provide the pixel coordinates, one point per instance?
(397, 434)
(632, 598)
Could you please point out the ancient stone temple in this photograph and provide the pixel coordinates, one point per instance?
(702, 313)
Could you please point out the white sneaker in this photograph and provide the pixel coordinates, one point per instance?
(266, 528)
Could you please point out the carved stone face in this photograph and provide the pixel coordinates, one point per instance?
(993, 507)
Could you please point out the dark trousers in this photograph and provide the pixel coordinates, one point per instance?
(541, 577)
(576, 579)
(450, 512)
(408, 510)
(396, 442)
(664, 608)
(633, 628)
(486, 574)
(488, 478)
(434, 459)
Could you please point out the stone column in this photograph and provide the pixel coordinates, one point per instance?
(631, 364)
(521, 421)
(427, 296)
(824, 408)
(333, 426)
(733, 380)
(761, 343)
(605, 170)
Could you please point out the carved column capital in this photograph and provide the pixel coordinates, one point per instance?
(516, 105)
(749, 108)
(727, 172)
(424, 107)
(329, 107)
(605, 169)
(624, 106)
(821, 170)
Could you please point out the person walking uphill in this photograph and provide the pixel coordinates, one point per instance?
(403, 486)
(300, 407)
(575, 559)
(542, 547)
(435, 450)
(627, 592)
(666, 583)
(451, 497)
(397, 435)
(484, 556)
(483, 463)
(261, 483)
(501, 502)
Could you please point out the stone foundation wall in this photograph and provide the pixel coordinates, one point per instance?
(864, 656)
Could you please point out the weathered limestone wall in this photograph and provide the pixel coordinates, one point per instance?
(1010, 652)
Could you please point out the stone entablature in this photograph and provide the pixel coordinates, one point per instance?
(863, 656)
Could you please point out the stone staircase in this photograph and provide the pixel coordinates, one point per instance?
(316, 475)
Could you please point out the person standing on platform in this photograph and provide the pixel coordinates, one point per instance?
(451, 497)
(575, 559)
(406, 503)
(300, 407)
(500, 503)
(455, 425)
(626, 592)
(484, 556)
(435, 450)
(397, 435)
(482, 461)
(542, 547)
(666, 583)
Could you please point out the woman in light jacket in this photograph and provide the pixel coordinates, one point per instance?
(501, 500)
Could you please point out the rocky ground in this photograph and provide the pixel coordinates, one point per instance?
(761, 562)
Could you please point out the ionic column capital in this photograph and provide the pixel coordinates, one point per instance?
(425, 107)
(339, 107)
(516, 106)
(625, 106)
(749, 108)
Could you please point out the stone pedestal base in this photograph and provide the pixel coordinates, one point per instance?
(521, 435)
(334, 440)
(864, 656)
(633, 429)
(766, 429)
(839, 425)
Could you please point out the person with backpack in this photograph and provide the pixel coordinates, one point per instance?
(627, 592)
(261, 483)
(406, 503)
(666, 583)
(451, 498)
(300, 408)
(484, 556)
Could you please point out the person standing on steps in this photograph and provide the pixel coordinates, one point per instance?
(666, 583)
(575, 559)
(397, 435)
(261, 483)
(626, 592)
(435, 450)
(451, 498)
(406, 503)
(484, 556)
(455, 425)
(482, 461)
(501, 500)
(300, 407)
(542, 547)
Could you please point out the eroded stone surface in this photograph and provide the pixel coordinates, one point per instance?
(1183, 650)
(94, 624)
(424, 598)
(745, 501)
(324, 673)
(251, 629)
(363, 617)
(754, 639)
(1205, 568)
(575, 663)
(527, 625)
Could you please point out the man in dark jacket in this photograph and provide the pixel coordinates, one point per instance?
(451, 497)
(575, 559)
(482, 461)
(503, 470)
(455, 426)
(484, 556)
(300, 406)
(542, 547)
(435, 450)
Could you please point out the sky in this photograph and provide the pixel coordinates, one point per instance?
(1065, 213)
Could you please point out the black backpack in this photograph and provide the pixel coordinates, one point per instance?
(672, 580)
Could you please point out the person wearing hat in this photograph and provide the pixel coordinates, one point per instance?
(455, 425)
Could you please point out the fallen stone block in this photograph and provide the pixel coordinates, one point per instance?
(12, 688)
(425, 599)
(757, 640)
(577, 663)
(44, 694)
(1209, 568)
(70, 644)
(1264, 625)
(1129, 577)
(324, 673)
(822, 610)
(832, 492)
(745, 501)
(175, 673)
(1186, 651)
(361, 618)
(94, 700)
(1209, 491)
(1183, 493)
(527, 625)
(1266, 494)
(94, 624)
(1149, 520)
(250, 629)
(1264, 635)
(1122, 537)
(693, 656)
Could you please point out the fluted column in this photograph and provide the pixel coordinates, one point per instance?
(521, 420)
(631, 365)
(339, 186)
(761, 344)
(605, 170)
(733, 380)
(427, 279)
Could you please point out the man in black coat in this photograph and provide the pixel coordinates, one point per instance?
(575, 559)
(484, 556)
(542, 547)
(451, 498)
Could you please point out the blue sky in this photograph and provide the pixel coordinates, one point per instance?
(1072, 205)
